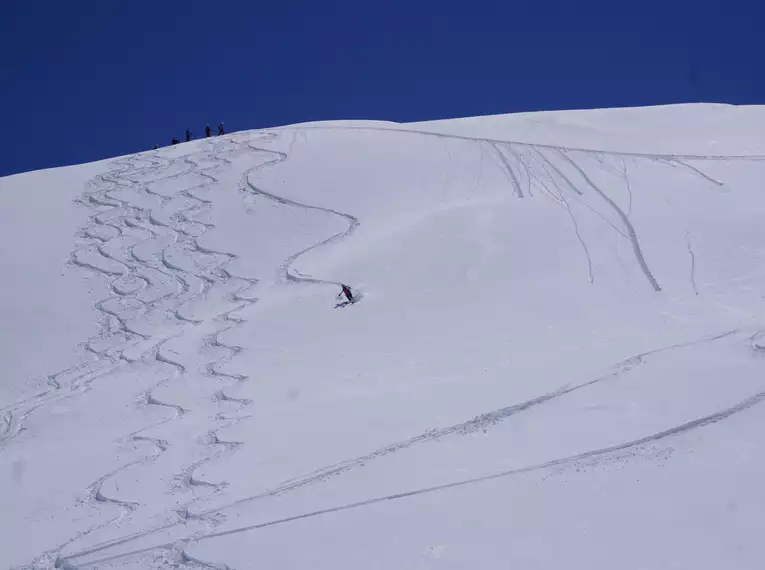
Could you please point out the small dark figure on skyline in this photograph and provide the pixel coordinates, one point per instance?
(156, 146)
(188, 135)
(220, 129)
(207, 131)
(174, 141)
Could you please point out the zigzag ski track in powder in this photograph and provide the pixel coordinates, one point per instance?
(218, 413)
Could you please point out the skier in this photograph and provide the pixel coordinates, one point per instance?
(220, 129)
(207, 131)
(156, 146)
(188, 135)
(174, 141)
(347, 292)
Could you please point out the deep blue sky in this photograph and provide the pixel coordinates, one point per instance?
(84, 80)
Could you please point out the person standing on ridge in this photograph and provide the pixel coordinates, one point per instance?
(188, 135)
(174, 141)
(220, 129)
(207, 131)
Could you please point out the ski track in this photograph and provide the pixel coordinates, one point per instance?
(625, 221)
(129, 281)
(128, 274)
(666, 156)
(697, 171)
(519, 148)
(285, 275)
(627, 184)
(508, 170)
(580, 239)
(480, 423)
(693, 262)
(145, 290)
(589, 456)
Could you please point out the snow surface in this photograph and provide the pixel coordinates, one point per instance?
(557, 359)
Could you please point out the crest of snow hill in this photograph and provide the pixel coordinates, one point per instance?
(551, 348)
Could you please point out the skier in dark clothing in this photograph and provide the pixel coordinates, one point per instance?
(188, 135)
(347, 292)
(207, 131)
(220, 129)
(174, 141)
(156, 146)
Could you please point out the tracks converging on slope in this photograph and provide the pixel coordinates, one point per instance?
(541, 165)
(479, 423)
(144, 240)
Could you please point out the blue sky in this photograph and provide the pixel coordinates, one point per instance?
(86, 80)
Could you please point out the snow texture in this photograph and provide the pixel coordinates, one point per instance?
(556, 358)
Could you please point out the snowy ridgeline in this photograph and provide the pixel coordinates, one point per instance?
(555, 358)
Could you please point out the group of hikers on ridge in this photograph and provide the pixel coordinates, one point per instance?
(221, 131)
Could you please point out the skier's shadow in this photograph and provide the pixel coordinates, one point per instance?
(343, 304)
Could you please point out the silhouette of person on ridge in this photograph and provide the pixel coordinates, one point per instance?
(207, 131)
(220, 129)
(188, 135)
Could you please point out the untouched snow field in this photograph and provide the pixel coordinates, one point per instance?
(557, 359)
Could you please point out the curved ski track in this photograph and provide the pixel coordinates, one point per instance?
(285, 274)
(492, 141)
(525, 154)
(135, 280)
(149, 297)
(538, 170)
(482, 422)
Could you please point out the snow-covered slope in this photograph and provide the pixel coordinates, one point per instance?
(556, 359)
